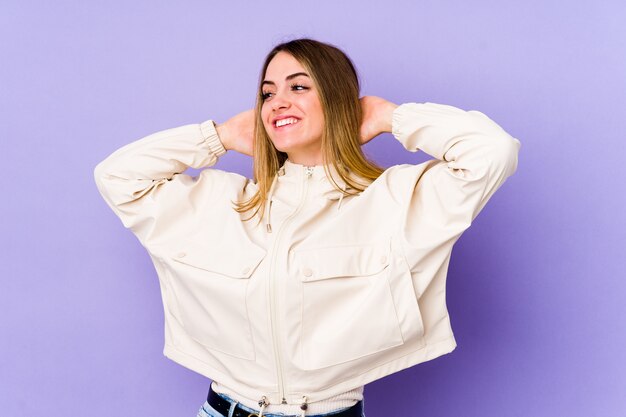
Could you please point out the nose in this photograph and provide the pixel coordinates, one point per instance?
(279, 101)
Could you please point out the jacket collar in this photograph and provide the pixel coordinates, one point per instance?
(292, 169)
(321, 184)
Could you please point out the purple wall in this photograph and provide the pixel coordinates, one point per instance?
(535, 288)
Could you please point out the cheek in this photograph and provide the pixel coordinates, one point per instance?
(316, 109)
(320, 118)
(264, 115)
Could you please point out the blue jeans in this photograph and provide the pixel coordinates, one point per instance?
(207, 411)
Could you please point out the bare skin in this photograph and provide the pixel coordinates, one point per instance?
(237, 133)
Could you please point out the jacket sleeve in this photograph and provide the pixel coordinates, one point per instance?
(473, 157)
(143, 181)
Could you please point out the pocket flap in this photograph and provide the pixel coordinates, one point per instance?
(239, 262)
(342, 261)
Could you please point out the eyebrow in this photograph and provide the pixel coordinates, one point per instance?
(287, 78)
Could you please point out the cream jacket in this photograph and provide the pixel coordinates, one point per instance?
(329, 292)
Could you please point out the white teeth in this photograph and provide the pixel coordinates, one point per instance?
(287, 121)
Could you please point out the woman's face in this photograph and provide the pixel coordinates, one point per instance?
(291, 99)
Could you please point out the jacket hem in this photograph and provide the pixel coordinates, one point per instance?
(194, 364)
(426, 353)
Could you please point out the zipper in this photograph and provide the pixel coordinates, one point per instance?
(269, 223)
(308, 172)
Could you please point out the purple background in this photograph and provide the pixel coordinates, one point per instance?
(535, 288)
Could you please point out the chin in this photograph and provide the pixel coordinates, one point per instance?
(282, 146)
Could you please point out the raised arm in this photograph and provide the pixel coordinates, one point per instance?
(144, 179)
(441, 197)
(143, 182)
(476, 155)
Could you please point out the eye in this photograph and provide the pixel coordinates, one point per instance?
(296, 87)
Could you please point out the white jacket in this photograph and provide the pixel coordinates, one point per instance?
(343, 290)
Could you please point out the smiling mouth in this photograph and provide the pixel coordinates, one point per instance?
(285, 123)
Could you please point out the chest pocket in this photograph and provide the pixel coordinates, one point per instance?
(210, 285)
(348, 308)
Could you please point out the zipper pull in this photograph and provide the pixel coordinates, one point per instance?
(309, 171)
(269, 213)
(304, 405)
(263, 402)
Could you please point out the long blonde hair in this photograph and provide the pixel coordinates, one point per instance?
(337, 83)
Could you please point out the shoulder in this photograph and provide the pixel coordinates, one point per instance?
(226, 182)
(400, 180)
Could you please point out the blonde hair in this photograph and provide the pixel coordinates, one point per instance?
(337, 83)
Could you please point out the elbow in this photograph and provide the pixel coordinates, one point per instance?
(504, 154)
(104, 178)
(513, 154)
(100, 174)
(503, 148)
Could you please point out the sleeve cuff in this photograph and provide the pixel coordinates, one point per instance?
(397, 121)
(212, 138)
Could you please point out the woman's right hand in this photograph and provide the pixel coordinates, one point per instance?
(237, 133)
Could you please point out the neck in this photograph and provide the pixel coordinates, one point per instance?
(306, 162)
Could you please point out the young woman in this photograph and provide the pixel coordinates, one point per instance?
(293, 290)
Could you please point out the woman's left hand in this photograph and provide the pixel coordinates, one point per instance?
(377, 113)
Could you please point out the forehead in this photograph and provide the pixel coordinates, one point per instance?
(282, 65)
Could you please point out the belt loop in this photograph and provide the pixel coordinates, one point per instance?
(231, 411)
